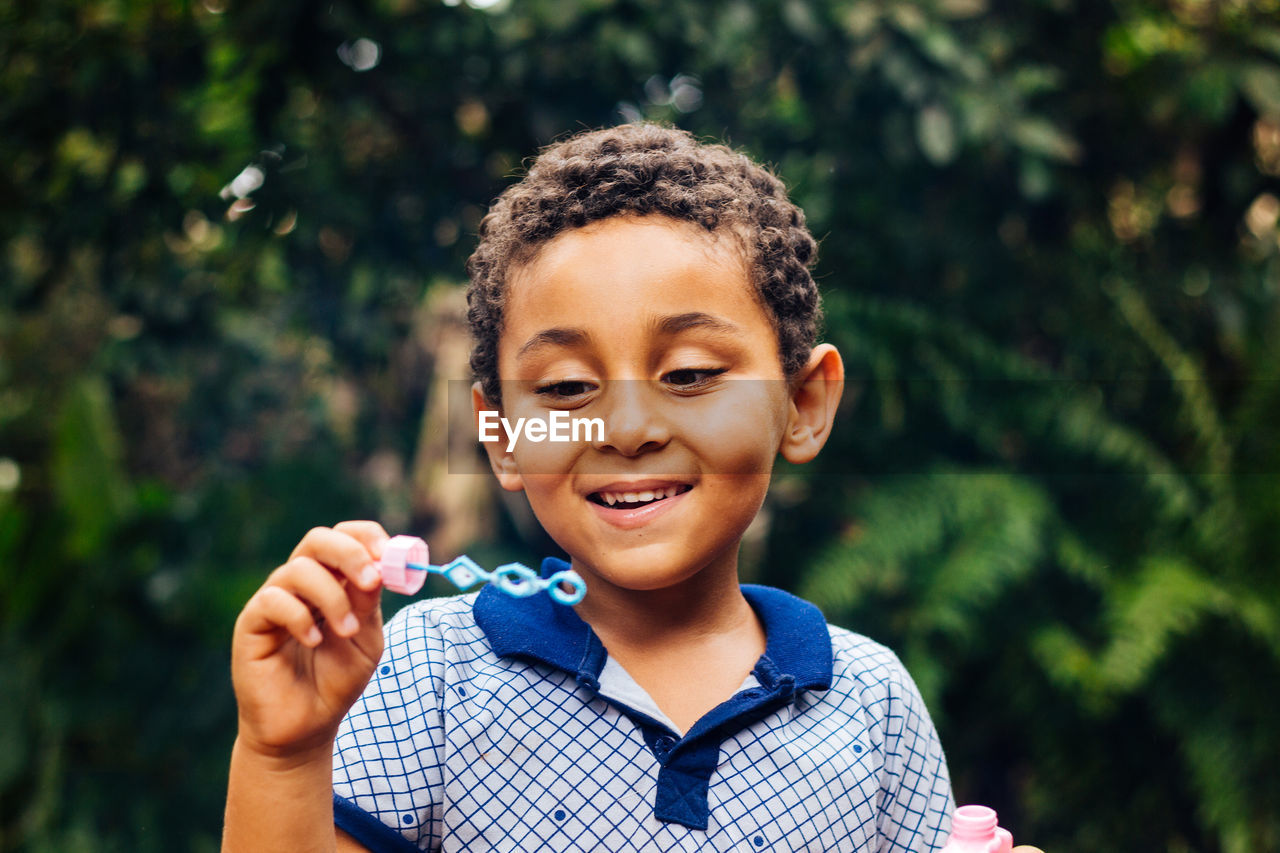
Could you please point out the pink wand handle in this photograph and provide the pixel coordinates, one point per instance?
(397, 554)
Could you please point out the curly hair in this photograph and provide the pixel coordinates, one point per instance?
(643, 169)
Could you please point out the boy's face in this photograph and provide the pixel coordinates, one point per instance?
(652, 326)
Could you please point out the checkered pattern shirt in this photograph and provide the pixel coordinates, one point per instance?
(496, 723)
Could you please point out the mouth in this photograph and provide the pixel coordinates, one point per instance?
(636, 497)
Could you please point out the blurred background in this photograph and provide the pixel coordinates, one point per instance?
(232, 239)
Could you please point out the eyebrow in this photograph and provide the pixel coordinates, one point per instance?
(678, 323)
(558, 336)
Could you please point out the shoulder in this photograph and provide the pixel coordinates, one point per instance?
(429, 635)
(857, 657)
(871, 672)
(430, 644)
(852, 670)
(449, 619)
(452, 612)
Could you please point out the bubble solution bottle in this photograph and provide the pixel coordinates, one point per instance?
(974, 830)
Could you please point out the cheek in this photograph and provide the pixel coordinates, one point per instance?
(546, 461)
(544, 442)
(735, 500)
(554, 504)
(739, 434)
(738, 493)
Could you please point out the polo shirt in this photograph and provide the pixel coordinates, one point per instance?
(500, 723)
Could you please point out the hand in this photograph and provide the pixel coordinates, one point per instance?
(296, 675)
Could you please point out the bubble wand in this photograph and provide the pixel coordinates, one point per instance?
(405, 565)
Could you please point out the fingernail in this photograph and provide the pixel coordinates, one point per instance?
(350, 624)
(314, 637)
(369, 577)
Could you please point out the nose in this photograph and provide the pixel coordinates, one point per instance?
(633, 418)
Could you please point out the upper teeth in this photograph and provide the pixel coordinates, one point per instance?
(612, 498)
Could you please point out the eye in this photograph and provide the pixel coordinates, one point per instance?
(568, 390)
(692, 378)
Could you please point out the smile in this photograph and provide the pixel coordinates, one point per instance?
(627, 506)
(636, 497)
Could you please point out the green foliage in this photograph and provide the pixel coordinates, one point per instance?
(88, 481)
(1050, 257)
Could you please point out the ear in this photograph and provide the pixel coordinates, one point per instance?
(815, 395)
(502, 462)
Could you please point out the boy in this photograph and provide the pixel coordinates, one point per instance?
(660, 285)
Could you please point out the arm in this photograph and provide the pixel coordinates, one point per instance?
(916, 801)
(295, 677)
(918, 770)
(262, 791)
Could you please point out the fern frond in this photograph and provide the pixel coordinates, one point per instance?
(986, 392)
(958, 538)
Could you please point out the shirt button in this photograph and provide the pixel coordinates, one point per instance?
(663, 745)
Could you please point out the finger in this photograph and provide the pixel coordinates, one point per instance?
(316, 585)
(273, 608)
(368, 533)
(366, 601)
(372, 535)
(342, 553)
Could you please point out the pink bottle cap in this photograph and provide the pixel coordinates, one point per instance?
(973, 823)
(397, 554)
(974, 829)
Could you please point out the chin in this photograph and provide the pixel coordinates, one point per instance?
(648, 569)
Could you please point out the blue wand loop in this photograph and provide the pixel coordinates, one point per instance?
(405, 566)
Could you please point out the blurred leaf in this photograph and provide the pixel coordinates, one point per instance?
(1040, 137)
(1260, 83)
(936, 134)
(88, 468)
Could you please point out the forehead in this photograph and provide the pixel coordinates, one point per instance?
(653, 262)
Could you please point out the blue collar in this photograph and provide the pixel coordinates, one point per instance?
(797, 643)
